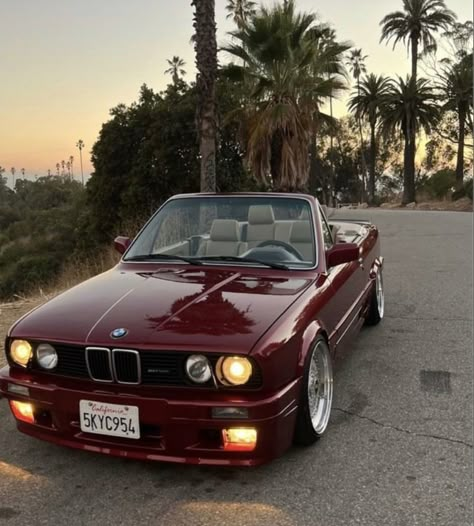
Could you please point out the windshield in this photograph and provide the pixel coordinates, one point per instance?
(253, 231)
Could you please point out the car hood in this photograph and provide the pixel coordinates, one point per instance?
(207, 309)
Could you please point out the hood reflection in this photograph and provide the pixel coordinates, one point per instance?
(205, 313)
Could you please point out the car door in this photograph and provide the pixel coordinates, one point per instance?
(348, 281)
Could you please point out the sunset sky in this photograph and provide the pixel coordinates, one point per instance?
(64, 64)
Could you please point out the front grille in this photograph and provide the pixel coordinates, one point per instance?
(152, 368)
(163, 368)
(99, 364)
(71, 362)
(126, 366)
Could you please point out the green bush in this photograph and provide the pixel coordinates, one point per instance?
(466, 191)
(28, 272)
(38, 225)
(468, 188)
(440, 184)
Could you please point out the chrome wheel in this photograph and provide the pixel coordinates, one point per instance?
(379, 293)
(320, 388)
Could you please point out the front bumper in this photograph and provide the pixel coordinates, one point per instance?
(176, 424)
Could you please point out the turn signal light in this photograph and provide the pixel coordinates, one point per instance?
(239, 439)
(22, 411)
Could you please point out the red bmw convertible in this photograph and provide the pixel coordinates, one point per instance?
(211, 342)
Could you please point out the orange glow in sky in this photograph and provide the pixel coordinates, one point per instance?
(65, 64)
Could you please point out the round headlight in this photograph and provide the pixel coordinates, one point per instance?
(198, 369)
(21, 352)
(234, 370)
(46, 356)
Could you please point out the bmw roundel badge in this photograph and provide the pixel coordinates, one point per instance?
(119, 333)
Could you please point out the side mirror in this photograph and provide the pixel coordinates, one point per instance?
(121, 244)
(342, 253)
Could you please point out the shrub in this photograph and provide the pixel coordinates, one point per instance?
(466, 191)
(468, 188)
(440, 184)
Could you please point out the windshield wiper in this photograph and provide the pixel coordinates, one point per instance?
(237, 259)
(168, 257)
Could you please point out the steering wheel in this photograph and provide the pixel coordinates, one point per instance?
(275, 243)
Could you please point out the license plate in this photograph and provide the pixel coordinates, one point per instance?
(109, 419)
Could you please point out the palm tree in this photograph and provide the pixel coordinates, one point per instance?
(356, 63)
(13, 171)
(240, 11)
(417, 23)
(410, 107)
(71, 162)
(58, 166)
(176, 69)
(206, 61)
(368, 102)
(330, 57)
(23, 172)
(283, 64)
(457, 88)
(80, 145)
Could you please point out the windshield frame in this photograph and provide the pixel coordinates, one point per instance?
(244, 264)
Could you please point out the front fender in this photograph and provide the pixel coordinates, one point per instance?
(313, 330)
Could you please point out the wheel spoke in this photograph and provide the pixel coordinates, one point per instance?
(380, 294)
(320, 388)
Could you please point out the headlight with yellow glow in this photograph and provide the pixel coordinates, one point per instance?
(21, 352)
(234, 370)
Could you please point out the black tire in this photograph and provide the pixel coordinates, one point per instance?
(305, 434)
(375, 314)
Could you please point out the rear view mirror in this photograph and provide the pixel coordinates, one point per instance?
(121, 244)
(341, 253)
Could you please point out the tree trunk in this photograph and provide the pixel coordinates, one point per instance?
(373, 158)
(332, 191)
(460, 155)
(275, 163)
(409, 193)
(206, 63)
(414, 56)
(313, 164)
(363, 164)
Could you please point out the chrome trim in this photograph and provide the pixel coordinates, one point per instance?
(110, 364)
(139, 366)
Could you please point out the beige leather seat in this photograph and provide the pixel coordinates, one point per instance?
(301, 238)
(283, 230)
(224, 239)
(261, 225)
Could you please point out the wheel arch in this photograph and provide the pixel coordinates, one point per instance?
(310, 335)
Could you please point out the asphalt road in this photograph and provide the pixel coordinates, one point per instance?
(398, 450)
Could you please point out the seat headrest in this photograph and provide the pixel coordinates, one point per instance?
(301, 232)
(225, 230)
(304, 215)
(261, 215)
